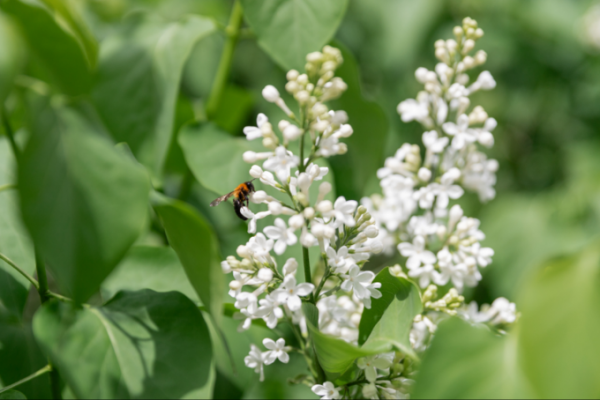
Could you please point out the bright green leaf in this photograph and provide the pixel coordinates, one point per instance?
(336, 355)
(366, 146)
(390, 318)
(14, 240)
(215, 157)
(468, 362)
(139, 345)
(58, 39)
(195, 243)
(148, 267)
(561, 318)
(290, 29)
(84, 202)
(139, 73)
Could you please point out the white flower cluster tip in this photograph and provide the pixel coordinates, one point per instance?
(414, 214)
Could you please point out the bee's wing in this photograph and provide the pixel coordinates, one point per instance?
(218, 200)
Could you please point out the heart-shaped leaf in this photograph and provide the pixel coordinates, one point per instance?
(195, 243)
(468, 362)
(390, 318)
(290, 29)
(139, 73)
(84, 202)
(59, 39)
(139, 345)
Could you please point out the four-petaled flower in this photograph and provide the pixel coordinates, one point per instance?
(254, 132)
(277, 350)
(342, 212)
(281, 163)
(372, 363)
(360, 283)
(283, 235)
(461, 132)
(256, 360)
(416, 253)
(289, 292)
(327, 391)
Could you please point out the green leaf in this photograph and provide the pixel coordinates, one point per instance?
(139, 345)
(390, 318)
(195, 243)
(147, 267)
(336, 355)
(215, 157)
(12, 394)
(14, 240)
(83, 202)
(11, 56)
(21, 357)
(561, 318)
(290, 29)
(468, 362)
(366, 146)
(139, 73)
(58, 39)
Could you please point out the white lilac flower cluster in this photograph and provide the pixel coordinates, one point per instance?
(441, 245)
(341, 231)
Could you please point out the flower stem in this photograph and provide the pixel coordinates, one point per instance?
(8, 186)
(21, 271)
(216, 93)
(47, 368)
(233, 33)
(45, 296)
(307, 275)
(10, 133)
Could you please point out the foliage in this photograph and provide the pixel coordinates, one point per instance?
(122, 120)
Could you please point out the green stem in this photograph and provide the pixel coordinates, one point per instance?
(307, 273)
(10, 133)
(22, 272)
(45, 296)
(216, 93)
(8, 186)
(47, 368)
(233, 33)
(42, 278)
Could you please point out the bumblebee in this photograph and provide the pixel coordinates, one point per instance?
(240, 196)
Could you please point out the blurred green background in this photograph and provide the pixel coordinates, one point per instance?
(544, 55)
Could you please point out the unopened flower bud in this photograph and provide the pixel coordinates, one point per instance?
(469, 62)
(343, 148)
(283, 124)
(328, 232)
(478, 33)
(468, 46)
(292, 75)
(292, 87)
(456, 213)
(290, 267)
(458, 32)
(265, 275)
(292, 132)
(270, 93)
(302, 199)
(243, 251)
(260, 196)
(302, 79)
(250, 157)
(480, 57)
(256, 171)
(296, 221)
(275, 208)
(225, 267)
(441, 232)
(269, 143)
(345, 131)
(309, 213)
(314, 57)
(424, 174)
(302, 96)
(235, 285)
(371, 231)
(324, 206)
